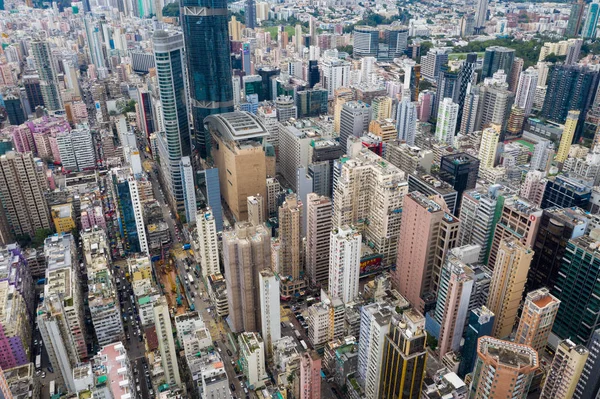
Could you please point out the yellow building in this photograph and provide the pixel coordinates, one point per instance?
(62, 216)
(489, 145)
(384, 128)
(567, 137)
(565, 371)
(235, 29)
(381, 108)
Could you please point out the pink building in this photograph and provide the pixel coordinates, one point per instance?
(310, 375)
(79, 111)
(427, 232)
(425, 102)
(44, 131)
(92, 216)
(6, 72)
(22, 138)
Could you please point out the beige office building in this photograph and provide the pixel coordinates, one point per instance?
(318, 214)
(565, 371)
(238, 153)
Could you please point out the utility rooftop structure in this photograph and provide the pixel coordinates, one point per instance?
(237, 126)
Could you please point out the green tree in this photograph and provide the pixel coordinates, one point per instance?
(432, 343)
(347, 49)
(40, 237)
(171, 10)
(425, 85)
(555, 58)
(129, 107)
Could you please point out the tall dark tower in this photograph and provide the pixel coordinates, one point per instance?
(206, 33)
(250, 14)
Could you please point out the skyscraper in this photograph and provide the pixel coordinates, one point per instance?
(508, 282)
(250, 13)
(581, 270)
(318, 237)
(418, 267)
(537, 318)
(481, 323)
(406, 121)
(166, 342)
(570, 87)
(246, 252)
(589, 385)
(404, 357)
(556, 228)
(460, 171)
(270, 323)
(503, 369)
(239, 156)
(205, 29)
(477, 220)
(526, 89)
(207, 242)
(47, 71)
(354, 120)
(567, 136)
(489, 145)
(290, 217)
(481, 15)
(575, 18)
(447, 118)
(466, 78)
(344, 263)
(565, 371)
(497, 58)
(22, 189)
(366, 41)
(456, 284)
(175, 142)
(591, 21)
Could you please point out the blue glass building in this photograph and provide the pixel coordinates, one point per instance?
(481, 322)
(206, 33)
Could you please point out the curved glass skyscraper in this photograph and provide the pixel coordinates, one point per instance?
(206, 35)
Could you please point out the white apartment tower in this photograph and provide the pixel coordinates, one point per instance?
(269, 308)
(207, 242)
(166, 344)
(525, 94)
(256, 209)
(344, 263)
(406, 121)
(446, 121)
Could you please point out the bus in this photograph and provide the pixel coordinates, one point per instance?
(297, 334)
(38, 362)
(303, 344)
(190, 278)
(52, 388)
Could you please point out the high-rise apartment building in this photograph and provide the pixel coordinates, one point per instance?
(525, 94)
(489, 145)
(22, 188)
(207, 242)
(374, 326)
(406, 121)
(368, 188)
(61, 316)
(481, 323)
(591, 21)
(427, 232)
(269, 308)
(336, 74)
(575, 18)
(102, 291)
(289, 265)
(175, 142)
(381, 108)
(310, 375)
(189, 189)
(344, 263)
(579, 278)
(239, 155)
(588, 386)
(252, 358)
(318, 237)
(477, 220)
(480, 15)
(503, 369)
(250, 13)
(76, 149)
(166, 343)
(404, 357)
(354, 120)
(508, 281)
(256, 209)
(518, 219)
(567, 136)
(455, 287)
(48, 75)
(447, 118)
(567, 366)
(537, 318)
(208, 63)
(246, 251)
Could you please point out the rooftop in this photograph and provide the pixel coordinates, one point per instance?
(508, 353)
(237, 126)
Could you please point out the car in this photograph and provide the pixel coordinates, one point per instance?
(229, 352)
(128, 337)
(232, 387)
(43, 374)
(50, 369)
(138, 389)
(219, 349)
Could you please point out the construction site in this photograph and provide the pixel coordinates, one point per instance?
(173, 286)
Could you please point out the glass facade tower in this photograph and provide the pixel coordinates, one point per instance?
(205, 28)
